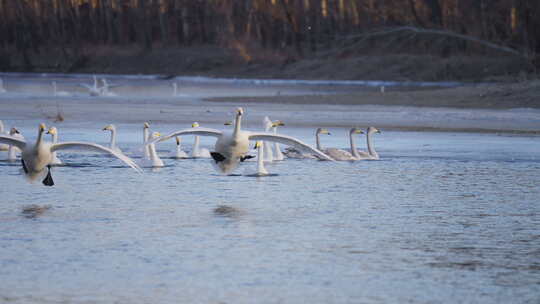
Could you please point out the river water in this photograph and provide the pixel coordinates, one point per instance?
(443, 217)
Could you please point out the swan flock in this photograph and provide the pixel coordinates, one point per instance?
(231, 147)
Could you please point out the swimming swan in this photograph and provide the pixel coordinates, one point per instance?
(179, 153)
(3, 147)
(13, 150)
(278, 155)
(112, 143)
(60, 93)
(231, 148)
(371, 154)
(93, 90)
(37, 157)
(146, 134)
(261, 170)
(342, 155)
(291, 152)
(267, 146)
(54, 133)
(196, 151)
(154, 161)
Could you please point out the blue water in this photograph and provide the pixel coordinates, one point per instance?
(441, 218)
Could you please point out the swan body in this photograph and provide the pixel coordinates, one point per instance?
(112, 143)
(154, 161)
(105, 89)
(59, 93)
(37, 157)
(232, 147)
(371, 154)
(13, 150)
(179, 153)
(54, 133)
(196, 151)
(342, 155)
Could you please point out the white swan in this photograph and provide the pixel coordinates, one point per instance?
(342, 155)
(175, 89)
(13, 150)
(105, 88)
(154, 161)
(292, 152)
(196, 151)
(3, 147)
(179, 153)
(146, 135)
(278, 155)
(261, 170)
(267, 146)
(2, 89)
(59, 93)
(112, 143)
(93, 90)
(36, 158)
(231, 148)
(371, 154)
(54, 133)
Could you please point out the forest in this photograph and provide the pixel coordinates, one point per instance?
(297, 28)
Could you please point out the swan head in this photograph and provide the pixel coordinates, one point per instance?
(357, 131)
(257, 144)
(14, 131)
(195, 125)
(239, 112)
(42, 127)
(277, 123)
(323, 131)
(371, 130)
(146, 125)
(52, 131)
(109, 128)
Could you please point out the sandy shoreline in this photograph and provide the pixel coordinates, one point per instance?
(511, 108)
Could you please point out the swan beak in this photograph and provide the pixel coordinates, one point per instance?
(146, 125)
(177, 140)
(42, 127)
(278, 123)
(195, 125)
(240, 111)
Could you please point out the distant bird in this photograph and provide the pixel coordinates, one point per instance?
(59, 93)
(371, 153)
(93, 90)
(13, 150)
(2, 89)
(105, 88)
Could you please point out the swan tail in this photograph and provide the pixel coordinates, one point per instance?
(48, 181)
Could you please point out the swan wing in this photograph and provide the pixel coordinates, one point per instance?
(10, 140)
(84, 146)
(289, 141)
(190, 131)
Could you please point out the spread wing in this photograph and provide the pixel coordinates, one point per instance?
(10, 140)
(289, 141)
(84, 146)
(190, 131)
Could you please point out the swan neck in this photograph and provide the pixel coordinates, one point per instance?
(1, 127)
(113, 139)
(260, 161)
(196, 143)
(55, 138)
(354, 152)
(318, 141)
(237, 124)
(39, 138)
(370, 148)
(153, 154)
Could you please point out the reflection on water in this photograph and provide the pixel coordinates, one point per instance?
(457, 220)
